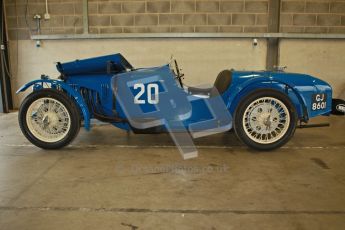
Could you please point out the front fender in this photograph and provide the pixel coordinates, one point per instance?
(38, 84)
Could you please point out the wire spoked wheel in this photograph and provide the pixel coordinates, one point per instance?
(265, 120)
(49, 119)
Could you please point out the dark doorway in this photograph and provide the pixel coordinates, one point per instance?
(5, 81)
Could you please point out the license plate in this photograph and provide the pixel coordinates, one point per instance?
(319, 101)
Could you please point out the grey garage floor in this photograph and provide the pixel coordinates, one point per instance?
(109, 180)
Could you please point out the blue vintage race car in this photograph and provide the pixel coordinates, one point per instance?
(263, 107)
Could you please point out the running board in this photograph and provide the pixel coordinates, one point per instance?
(313, 125)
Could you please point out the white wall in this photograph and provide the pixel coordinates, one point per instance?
(324, 59)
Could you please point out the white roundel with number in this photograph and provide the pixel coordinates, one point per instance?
(152, 92)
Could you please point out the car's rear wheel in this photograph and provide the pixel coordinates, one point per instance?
(265, 120)
(49, 119)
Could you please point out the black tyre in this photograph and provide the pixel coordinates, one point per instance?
(265, 120)
(49, 119)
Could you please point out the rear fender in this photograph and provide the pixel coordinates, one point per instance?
(55, 84)
(266, 83)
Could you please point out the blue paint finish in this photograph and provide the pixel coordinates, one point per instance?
(299, 88)
(92, 74)
(38, 84)
(96, 65)
(97, 83)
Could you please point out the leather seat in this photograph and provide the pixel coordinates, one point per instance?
(221, 84)
(223, 81)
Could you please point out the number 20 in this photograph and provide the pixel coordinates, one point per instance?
(150, 88)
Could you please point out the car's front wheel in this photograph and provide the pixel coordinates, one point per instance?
(265, 120)
(49, 119)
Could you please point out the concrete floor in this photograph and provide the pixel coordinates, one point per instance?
(105, 181)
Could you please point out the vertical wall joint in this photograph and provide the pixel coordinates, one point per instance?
(273, 27)
(85, 17)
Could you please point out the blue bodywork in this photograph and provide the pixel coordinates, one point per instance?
(91, 80)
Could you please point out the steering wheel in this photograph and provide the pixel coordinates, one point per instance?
(179, 75)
